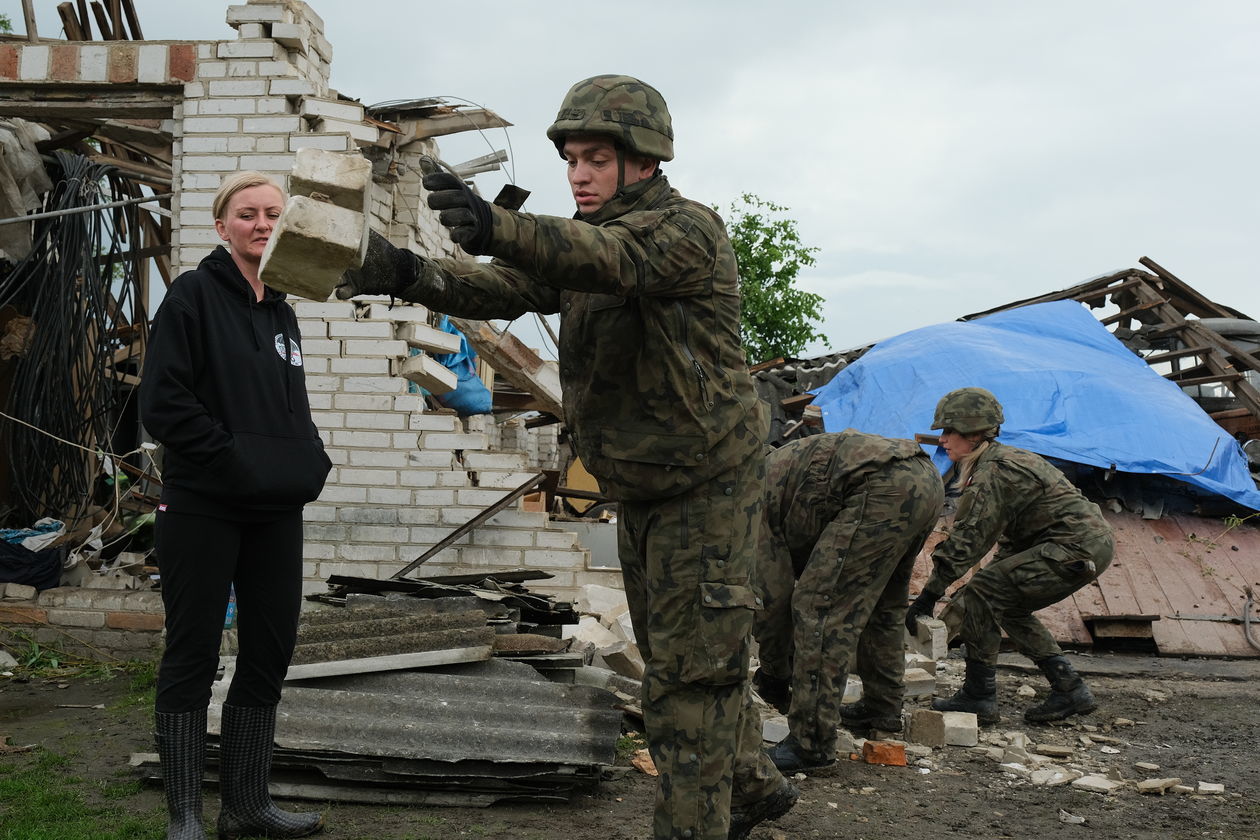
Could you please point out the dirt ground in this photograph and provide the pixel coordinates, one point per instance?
(1198, 720)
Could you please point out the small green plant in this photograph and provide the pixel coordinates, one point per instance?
(628, 744)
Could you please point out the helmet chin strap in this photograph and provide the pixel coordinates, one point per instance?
(621, 168)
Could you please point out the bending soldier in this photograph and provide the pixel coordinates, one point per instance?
(1051, 541)
(846, 516)
(660, 408)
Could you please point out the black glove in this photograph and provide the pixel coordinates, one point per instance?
(465, 213)
(385, 271)
(921, 606)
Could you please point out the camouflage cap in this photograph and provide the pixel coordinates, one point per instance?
(633, 112)
(968, 410)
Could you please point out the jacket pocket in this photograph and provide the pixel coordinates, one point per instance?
(280, 471)
(718, 649)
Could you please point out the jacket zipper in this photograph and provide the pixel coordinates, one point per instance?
(701, 376)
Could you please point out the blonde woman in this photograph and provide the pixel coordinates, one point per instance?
(224, 391)
(1051, 541)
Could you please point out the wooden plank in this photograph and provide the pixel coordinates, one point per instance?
(28, 12)
(85, 23)
(438, 125)
(70, 21)
(1189, 589)
(59, 102)
(1135, 570)
(392, 662)
(102, 21)
(133, 22)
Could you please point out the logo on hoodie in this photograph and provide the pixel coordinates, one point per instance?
(295, 353)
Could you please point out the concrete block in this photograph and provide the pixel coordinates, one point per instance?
(313, 244)
(961, 729)
(17, 592)
(428, 339)
(361, 132)
(625, 659)
(291, 36)
(600, 601)
(430, 375)
(890, 753)
(1208, 788)
(315, 108)
(1053, 776)
(1097, 784)
(919, 683)
(930, 638)
(927, 727)
(1157, 786)
(774, 729)
(1054, 750)
(852, 690)
(342, 179)
(1146, 766)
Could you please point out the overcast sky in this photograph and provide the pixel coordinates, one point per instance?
(945, 157)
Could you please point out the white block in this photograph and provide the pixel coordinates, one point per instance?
(93, 63)
(961, 729)
(313, 244)
(151, 64)
(315, 108)
(434, 378)
(427, 338)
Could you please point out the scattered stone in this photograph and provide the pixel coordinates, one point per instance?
(890, 753)
(642, 760)
(927, 727)
(1054, 750)
(17, 591)
(1146, 766)
(961, 729)
(919, 682)
(1016, 769)
(1054, 776)
(1017, 739)
(1026, 691)
(1016, 755)
(1122, 722)
(1181, 789)
(1085, 740)
(852, 689)
(1096, 784)
(867, 791)
(1089, 727)
(1116, 776)
(918, 750)
(1105, 739)
(845, 744)
(1109, 750)
(774, 729)
(1159, 786)
(1070, 819)
(930, 638)
(1210, 788)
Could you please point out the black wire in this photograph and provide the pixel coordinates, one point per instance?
(80, 286)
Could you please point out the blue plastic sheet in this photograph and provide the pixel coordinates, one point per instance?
(1069, 389)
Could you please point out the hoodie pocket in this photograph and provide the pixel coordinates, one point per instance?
(267, 470)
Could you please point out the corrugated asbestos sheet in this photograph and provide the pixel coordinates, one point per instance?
(469, 735)
(1179, 582)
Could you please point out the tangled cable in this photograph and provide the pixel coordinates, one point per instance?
(80, 288)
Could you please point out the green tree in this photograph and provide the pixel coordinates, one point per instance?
(6, 25)
(777, 319)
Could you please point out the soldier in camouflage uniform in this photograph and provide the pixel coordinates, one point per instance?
(1051, 541)
(660, 408)
(846, 516)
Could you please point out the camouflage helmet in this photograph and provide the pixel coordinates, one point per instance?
(633, 112)
(968, 410)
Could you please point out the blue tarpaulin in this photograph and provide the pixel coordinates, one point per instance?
(1069, 389)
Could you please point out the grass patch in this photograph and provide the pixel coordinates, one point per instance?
(628, 744)
(43, 802)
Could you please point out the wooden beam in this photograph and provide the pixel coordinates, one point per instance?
(78, 102)
(70, 21)
(28, 12)
(515, 362)
(85, 23)
(439, 125)
(116, 20)
(133, 22)
(102, 21)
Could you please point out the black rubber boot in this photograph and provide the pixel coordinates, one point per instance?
(773, 690)
(789, 756)
(181, 743)
(1068, 693)
(744, 819)
(859, 716)
(978, 694)
(247, 740)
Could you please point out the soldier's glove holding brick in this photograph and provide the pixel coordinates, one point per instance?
(465, 213)
(921, 606)
(386, 270)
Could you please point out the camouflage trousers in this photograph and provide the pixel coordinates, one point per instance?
(1004, 595)
(686, 562)
(848, 604)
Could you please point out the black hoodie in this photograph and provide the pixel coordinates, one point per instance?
(224, 390)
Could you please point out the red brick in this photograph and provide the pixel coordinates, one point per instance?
(134, 621)
(8, 61)
(23, 615)
(182, 62)
(122, 64)
(65, 63)
(884, 752)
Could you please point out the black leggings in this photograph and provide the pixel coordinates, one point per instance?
(200, 558)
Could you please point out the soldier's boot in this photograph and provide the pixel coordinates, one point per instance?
(861, 716)
(747, 817)
(181, 743)
(789, 756)
(248, 737)
(978, 694)
(775, 691)
(1068, 693)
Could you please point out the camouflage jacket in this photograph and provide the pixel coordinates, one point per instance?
(657, 394)
(808, 480)
(1018, 500)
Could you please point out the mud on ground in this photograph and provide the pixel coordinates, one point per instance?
(1198, 720)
